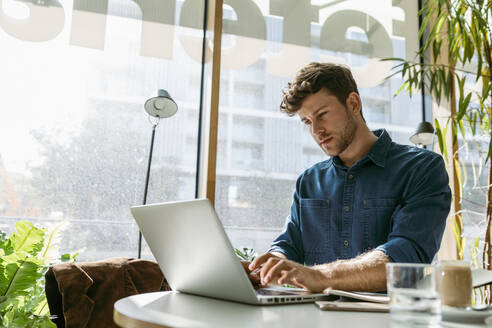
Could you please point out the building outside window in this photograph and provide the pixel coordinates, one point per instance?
(253, 195)
(74, 138)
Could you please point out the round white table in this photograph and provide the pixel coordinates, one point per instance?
(171, 309)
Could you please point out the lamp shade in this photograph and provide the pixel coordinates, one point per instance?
(424, 134)
(161, 106)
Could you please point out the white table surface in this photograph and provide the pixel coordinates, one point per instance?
(181, 310)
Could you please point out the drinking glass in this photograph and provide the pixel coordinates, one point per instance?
(414, 293)
(456, 283)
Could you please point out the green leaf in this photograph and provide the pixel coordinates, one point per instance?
(401, 88)
(440, 24)
(462, 250)
(18, 274)
(463, 105)
(392, 59)
(479, 68)
(3, 237)
(65, 257)
(441, 139)
(22, 267)
(443, 81)
(425, 22)
(461, 125)
(5, 244)
(486, 88)
(71, 257)
(457, 235)
(8, 316)
(490, 149)
(461, 84)
(467, 100)
(246, 254)
(459, 175)
(37, 303)
(27, 238)
(23, 318)
(474, 118)
(52, 238)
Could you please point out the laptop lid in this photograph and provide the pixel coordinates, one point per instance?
(193, 250)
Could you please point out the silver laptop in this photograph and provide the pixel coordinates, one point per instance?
(196, 257)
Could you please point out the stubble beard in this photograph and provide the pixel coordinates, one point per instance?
(346, 138)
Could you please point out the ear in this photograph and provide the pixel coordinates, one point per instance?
(354, 104)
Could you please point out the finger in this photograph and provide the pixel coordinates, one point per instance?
(287, 277)
(294, 277)
(275, 270)
(259, 261)
(327, 290)
(272, 261)
(284, 277)
(299, 282)
(245, 265)
(254, 276)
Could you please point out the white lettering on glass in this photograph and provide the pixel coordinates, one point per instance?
(248, 28)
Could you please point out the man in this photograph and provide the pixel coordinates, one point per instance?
(373, 201)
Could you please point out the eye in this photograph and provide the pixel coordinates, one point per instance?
(306, 122)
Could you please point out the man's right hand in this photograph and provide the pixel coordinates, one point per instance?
(260, 260)
(254, 275)
(254, 267)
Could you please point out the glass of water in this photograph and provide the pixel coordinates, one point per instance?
(414, 293)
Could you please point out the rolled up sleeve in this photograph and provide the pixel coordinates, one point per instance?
(419, 220)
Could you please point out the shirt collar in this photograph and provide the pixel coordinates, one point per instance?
(378, 151)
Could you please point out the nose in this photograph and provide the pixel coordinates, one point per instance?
(316, 129)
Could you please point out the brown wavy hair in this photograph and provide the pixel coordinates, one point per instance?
(312, 78)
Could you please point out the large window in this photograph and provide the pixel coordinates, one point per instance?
(74, 138)
(267, 42)
(474, 175)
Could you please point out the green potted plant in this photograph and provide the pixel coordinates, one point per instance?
(24, 258)
(457, 54)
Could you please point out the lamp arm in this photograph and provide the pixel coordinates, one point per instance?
(149, 163)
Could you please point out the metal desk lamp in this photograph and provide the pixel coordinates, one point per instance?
(162, 106)
(424, 134)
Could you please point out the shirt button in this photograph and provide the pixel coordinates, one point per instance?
(347, 208)
(351, 176)
(345, 243)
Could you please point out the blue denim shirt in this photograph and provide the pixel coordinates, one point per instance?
(395, 199)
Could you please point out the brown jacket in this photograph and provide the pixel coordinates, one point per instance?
(83, 294)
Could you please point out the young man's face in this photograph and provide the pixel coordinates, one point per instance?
(330, 123)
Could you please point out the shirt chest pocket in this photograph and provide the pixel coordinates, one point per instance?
(315, 218)
(377, 220)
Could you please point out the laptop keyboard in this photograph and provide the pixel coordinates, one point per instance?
(274, 292)
(269, 292)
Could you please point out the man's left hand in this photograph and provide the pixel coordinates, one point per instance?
(283, 271)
